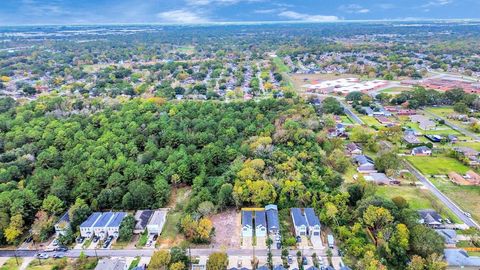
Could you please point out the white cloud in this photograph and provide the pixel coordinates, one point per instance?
(182, 16)
(218, 2)
(353, 8)
(268, 11)
(437, 3)
(307, 17)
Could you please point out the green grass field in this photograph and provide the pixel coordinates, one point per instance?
(278, 62)
(346, 119)
(396, 90)
(436, 165)
(11, 264)
(467, 197)
(417, 198)
(370, 121)
(170, 229)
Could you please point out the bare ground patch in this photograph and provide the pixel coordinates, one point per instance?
(227, 229)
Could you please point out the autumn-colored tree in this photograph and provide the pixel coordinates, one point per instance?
(376, 218)
(217, 261)
(160, 260)
(15, 229)
(204, 229)
(177, 266)
(370, 262)
(416, 263)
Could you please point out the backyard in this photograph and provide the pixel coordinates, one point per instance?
(437, 165)
(11, 264)
(467, 197)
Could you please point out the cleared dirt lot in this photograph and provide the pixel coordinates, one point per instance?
(301, 79)
(227, 229)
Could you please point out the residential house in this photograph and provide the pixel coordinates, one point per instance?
(430, 218)
(157, 221)
(421, 151)
(458, 179)
(365, 164)
(299, 222)
(260, 224)
(111, 264)
(449, 235)
(273, 224)
(247, 224)
(368, 111)
(411, 139)
(469, 153)
(460, 258)
(62, 225)
(378, 178)
(472, 177)
(313, 222)
(86, 228)
(452, 138)
(353, 149)
(142, 217)
(100, 227)
(423, 122)
(113, 227)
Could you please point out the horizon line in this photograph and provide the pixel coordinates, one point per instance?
(212, 23)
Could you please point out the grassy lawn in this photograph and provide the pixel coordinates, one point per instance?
(11, 264)
(134, 263)
(473, 145)
(170, 229)
(445, 112)
(417, 198)
(278, 62)
(467, 197)
(143, 239)
(346, 119)
(436, 165)
(370, 121)
(48, 264)
(87, 243)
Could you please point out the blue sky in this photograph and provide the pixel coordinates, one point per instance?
(203, 11)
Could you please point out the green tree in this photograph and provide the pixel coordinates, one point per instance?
(217, 261)
(126, 228)
(160, 260)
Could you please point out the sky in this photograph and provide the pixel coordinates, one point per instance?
(18, 12)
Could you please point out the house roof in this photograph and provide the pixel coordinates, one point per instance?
(158, 217)
(298, 218)
(91, 219)
(142, 217)
(449, 235)
(362, 159)
(117, 219)
(260, 219)
(352, 147)
(64, 218)
(272, 217)
(411, 138)
(421, 150)
(104, 219)
(459, 257)
(467, 151)
(247, 218)
(430, 216)
(379, 178)
(312, 218)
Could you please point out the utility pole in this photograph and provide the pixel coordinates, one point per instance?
(16, 258)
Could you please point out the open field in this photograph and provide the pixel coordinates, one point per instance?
(49, 264)
(371, 121)
(445, 112)
(301, 79)
(437, 165)
(417, 198)
(467, 197)
(277, 61)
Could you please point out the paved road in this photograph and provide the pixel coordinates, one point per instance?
(455, 127)
(148, 252)
(351, 114)
(444, 199)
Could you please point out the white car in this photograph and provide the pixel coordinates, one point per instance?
(468, 214)
(43, 256)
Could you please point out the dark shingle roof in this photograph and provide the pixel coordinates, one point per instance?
(312, 219)
(298, 217)
(272, 217)
(247, 218)
(260, 219)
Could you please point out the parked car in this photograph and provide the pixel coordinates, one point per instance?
(299, 239)
(29, 239)
(55, 243)
(149, 243)
(42, 256)
(95, 239)
(155, 237)
(58, 255)
(61, 248)
(290, 259)
(279, 245)
(468, 214)
(80, 239)
(304, 260)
